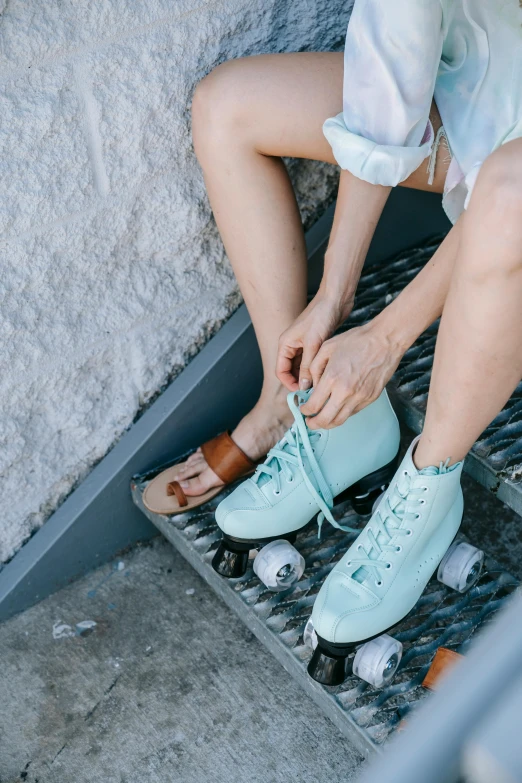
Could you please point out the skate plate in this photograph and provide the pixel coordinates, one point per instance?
(367, 716)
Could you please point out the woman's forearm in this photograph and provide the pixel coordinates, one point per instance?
(422, 301)
(359, 206)
(352, 368)
(357, 212)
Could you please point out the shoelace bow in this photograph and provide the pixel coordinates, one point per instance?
(388, 518)
(287, 455)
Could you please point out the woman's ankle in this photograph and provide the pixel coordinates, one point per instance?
(272, 405)
(428, 454)
(264, 425)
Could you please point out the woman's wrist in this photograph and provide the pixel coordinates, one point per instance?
(399, 332)
(339, 300)
(340, 278)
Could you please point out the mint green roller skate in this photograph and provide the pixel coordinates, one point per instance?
(305, 474)
(384, 572)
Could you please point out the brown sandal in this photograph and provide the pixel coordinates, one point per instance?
(164, 494)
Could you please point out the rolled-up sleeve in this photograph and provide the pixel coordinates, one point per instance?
(391, 58)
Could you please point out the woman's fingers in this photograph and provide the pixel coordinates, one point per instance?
(300, 343)
(319, 365)
(285, 366)
(325, 418)
(305, 374)
(316, 401)
(322, 389)
(348, 409)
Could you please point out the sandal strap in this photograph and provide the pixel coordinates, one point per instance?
(226, 459)
(174, 488)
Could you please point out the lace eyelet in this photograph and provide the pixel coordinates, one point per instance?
(398, 548)
(276, 492)
(289, 480)
(388, 566)
(379, 584)
(422, 501)
(426, 489)
(417, 516)
(409, 532)
(348, 562)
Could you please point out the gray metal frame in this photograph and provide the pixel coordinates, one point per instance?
(493, 751)
(218, 386)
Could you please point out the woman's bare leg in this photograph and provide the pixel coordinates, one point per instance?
(247, 114)
(478, 357)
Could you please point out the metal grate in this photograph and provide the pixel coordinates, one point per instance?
(496, 459)
(367, 716)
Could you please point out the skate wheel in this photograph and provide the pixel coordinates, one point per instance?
(377, 661)
(461, 566)
(279, 565)
(309, 635)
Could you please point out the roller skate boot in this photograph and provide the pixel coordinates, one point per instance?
(305, 474)
(384, 572)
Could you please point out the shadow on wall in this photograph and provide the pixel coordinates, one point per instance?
(113, 274)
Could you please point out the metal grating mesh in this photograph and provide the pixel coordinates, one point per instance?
(500, 446)
(441, 617)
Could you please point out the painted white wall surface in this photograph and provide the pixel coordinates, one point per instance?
(113, 274)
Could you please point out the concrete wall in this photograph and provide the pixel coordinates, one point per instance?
(112, 271)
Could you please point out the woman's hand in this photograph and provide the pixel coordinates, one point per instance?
(299, 344)
(348, 372)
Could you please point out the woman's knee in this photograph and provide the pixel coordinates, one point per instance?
(499, 187)
(218, 105)
(493, 223)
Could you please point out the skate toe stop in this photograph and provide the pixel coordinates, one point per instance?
(327, 669)
(228, 563)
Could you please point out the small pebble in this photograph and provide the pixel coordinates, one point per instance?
(120, 566)
(190, 591)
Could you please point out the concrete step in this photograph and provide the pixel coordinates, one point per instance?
(167, 687)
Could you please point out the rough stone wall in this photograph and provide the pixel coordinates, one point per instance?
(112, 272)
